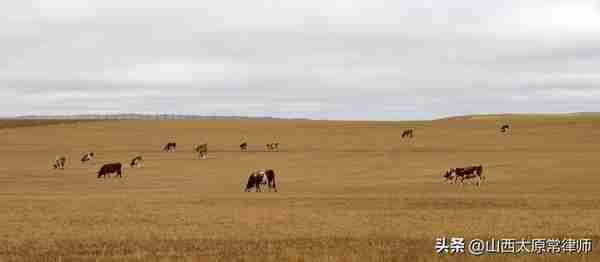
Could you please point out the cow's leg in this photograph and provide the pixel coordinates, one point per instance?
(274, 184)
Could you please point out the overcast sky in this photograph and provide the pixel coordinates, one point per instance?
(368, 59)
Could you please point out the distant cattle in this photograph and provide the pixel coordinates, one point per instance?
(465, 173)
(136, 162)
(59, 162)
(273, 147)
(504, 128)
(408, 133)
(170, 147)
(244, 146)
(108, 169)
(202, 150)
(87, 157)
(261, 177)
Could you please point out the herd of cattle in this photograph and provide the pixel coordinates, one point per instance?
(267, 177)
(255, 180)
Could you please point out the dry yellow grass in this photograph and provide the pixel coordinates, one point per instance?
(349, 191)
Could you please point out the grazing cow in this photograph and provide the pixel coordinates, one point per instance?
(273, 147)
(504, 128)
(136, 162)
(202, 150)
(170, 147)
(261, 177)
(465, 173)
(244, 146)
(109, 169)
(59, 162)
(87, 157)
(408, 133)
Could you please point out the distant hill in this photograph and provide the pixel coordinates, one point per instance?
(14, 123)
(507, 115)
(142, 117)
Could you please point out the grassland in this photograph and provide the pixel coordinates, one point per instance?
(349, 191)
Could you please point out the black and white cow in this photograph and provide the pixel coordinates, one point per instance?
(273, 147)
(136, 161)
(87, 157)
(59, 162)
(202, 150)
(261, 177)
(170, 147)
(408, 133)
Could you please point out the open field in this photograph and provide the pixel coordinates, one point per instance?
(349, 191)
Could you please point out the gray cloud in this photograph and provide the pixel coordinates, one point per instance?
(335, 59)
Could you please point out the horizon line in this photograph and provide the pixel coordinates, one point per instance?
(178, 116)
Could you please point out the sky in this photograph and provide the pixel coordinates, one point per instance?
(319, 59)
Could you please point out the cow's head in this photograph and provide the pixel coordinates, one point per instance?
(251, 182)
(448, 176)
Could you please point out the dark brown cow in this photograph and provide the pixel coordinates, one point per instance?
(109, 169)
(273, 147)
(465, 173)
(244, 146)
(202, 150)
(170, 147)
(136, 162)
(261, 177)
(408, 133)
(504, 128)
(87, 157)
(59, 162)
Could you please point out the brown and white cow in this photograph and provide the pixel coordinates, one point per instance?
(87, 157)
(273, 147)
(261, 177)
(244, 146)
(136, 162)
(202, 150)
(504, 128)
(465, 173)
(108, 169)
(59, 162)
(170, 147)
(408, 133)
